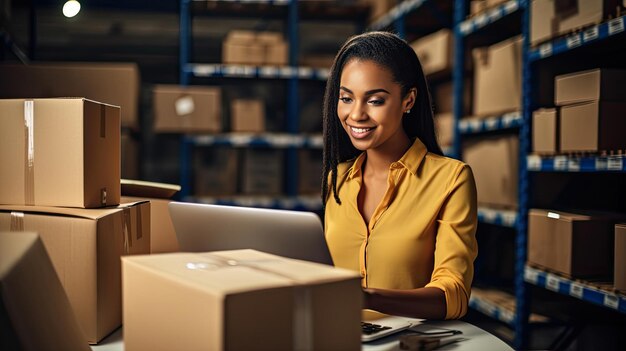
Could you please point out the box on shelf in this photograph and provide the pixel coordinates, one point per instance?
(229, 296)
(275, 48)
(435, 51)
(59, 152)
(444, 126)
(241, 47)
(591, 85)
(498, 78)
(620, 258)
(309, 171)
(477, 6)
(85, 246)
(443, 97)
(494, 161)
(36, 312)
(216, 171)
(578, 245)
(545, 135)
(262, 171)
(593, 126)
(114, 83)
(247, 115)
(187, 109)
(129, 156)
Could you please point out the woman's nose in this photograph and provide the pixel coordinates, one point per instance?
(358, 112)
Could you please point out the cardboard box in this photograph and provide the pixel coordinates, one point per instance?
(275, 48)
(255, 48)
(129, 156)
(187, 109)
(310, 171)
(238, 300)
(577, 245)
(477, 6)
(591, 85)
(247, 115)
(498, 78)
(492, 3)
(444, 126)
(85, 247)
(216, 171)
(379, 8)
(113, 83)
(620, 257)
(36, 314)
(262, 171)
(435, 51)
(594, 126)
(542, 21)
(162, 233)
(545, 131)
(59, 152)
(494, 161)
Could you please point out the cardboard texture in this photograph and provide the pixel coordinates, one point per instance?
(262, 171)
(592, 127)
(435, 51)
(85, 247)
(35, 313)
(619, 275)
(59, 152)
(498, 77)
(129, 157)
(216, 171)
(591, 85)
(444, 126)
(494, 161)
(542, 21)
(192, 109)
(477, 6)
(247, 115)
(255, 48)
(309, 171)
(238, 300)
(162, 233)
(545, 131)
(577, 245)
(112, 83)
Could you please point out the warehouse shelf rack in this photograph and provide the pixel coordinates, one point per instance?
(492, 309)
(564, 163)
(298, 203)
(266, 140)
(489, 124)
(255, 72)
(490, 16)
(581, 290)
(504, 218)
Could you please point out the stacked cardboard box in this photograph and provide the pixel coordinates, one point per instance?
(435, 51)
(444, 127)
(61, 179)
(591, 108)
(238, 300)
(187, 109)
(255, 48)
(545, 137)
(247, 115)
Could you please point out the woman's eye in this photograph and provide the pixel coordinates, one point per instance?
(377, 102)
(345, 100)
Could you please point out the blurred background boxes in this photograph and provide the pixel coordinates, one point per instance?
(546, 129)
(435, 51)
(255, 48)
(113, 83)
(247, 115)
(593, 127)
(309, 171)
(591, 85)
(216, 172)
(75, 158)
(192, 109)
(262, 171)
(444, 127)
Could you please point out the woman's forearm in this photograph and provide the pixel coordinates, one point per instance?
(427, 303)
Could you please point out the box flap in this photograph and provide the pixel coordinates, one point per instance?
(92, 213)
(141, 188)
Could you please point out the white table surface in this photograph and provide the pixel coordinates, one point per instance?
(473, 338)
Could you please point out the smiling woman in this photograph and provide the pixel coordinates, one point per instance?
(396, 210)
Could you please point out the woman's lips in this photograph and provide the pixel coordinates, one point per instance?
(360, 133)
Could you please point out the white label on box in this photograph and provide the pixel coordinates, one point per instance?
(611, 301)
(511, 6)
(509, 218)
(531, 275)
(491, 123)
(591, 34)
(560, 163)
(576, 290)
(545, 50)
(533, 162)
(573, 165)
(573, 41)
(552, 282)
(184, 105)
(476, 125)
(480, 20)
(615, 163)
(616, 25)
(601, 164)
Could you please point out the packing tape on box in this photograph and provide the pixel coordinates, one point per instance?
(303, 304)
(17, 222)
(29, 154)
(126, 221)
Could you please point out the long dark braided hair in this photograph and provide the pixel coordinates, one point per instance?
(389, 51)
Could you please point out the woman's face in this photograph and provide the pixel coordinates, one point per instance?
(371, 106)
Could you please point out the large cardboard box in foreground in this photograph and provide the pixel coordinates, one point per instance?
(85, 247)
(36, 314)
(494, 161)
(577, 245)
(545, 131)
(435, 51)
(59, 152)
(114, 83)
(592, 127)
(238, 300)
(591, 85)
(191, 109)
(620, 257)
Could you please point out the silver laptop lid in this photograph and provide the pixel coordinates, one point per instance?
(293, 234)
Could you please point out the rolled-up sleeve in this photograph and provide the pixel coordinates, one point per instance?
(456, 247)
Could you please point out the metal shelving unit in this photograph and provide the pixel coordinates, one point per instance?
(490, 124)
(303, 203)
(564, 163)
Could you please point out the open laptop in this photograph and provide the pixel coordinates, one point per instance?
(293, 234)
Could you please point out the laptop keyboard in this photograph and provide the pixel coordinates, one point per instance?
(371, 328)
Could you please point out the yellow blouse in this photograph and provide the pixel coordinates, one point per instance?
(422, 234)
